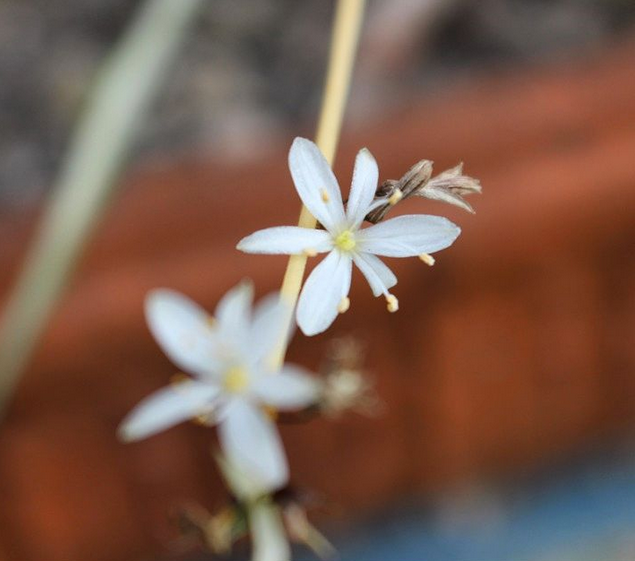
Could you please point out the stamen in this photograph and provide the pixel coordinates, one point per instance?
(395, 197)
(271, 412)
(392, 303)
(427, 259)
(204, 419)
(325, 195)
(344, 305)
(179, 378)
(310, 252)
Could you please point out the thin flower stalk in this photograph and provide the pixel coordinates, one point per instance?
(346, 30)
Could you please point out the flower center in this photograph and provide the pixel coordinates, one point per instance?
(346, 241)
(236, 379)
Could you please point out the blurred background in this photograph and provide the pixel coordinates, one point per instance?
(507, 378)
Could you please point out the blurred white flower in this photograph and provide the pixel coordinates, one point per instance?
(232, 384)
(325, 292)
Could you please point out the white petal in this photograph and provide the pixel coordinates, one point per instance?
(379, 276)
(287, 240)
(327, 284)
(233, 314)
(252, 445)
(363, 187)
(313, 178)
(267, 533)
(291, 388)
(183, 330)
(407, 236)
(240, 486)
(269, 327)
(167, 407)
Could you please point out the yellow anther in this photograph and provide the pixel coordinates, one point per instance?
(211, 321)
(236, 379)
(310, 252)
(427, 259)
(325, 195)
(204, 419)
(392, 303)
(346, 241)
(179, 378)
(344, 305)
(271, 412)
(395, 197)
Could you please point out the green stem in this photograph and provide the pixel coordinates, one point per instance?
(123, 93)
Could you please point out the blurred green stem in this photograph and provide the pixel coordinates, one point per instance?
(125, 88)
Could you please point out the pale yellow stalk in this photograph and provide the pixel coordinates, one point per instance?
(346, 30)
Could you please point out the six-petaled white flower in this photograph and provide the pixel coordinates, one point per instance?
(231, 384)
(325, 292)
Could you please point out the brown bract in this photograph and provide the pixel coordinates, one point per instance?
(448, 187)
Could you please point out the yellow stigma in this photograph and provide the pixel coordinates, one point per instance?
(427, 259)
(344, 305)
(325, 195)
(236, 380)
(392, 303)
(346, 241)
(395, 197)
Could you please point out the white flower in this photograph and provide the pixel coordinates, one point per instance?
(228, 360)
(325, 292)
